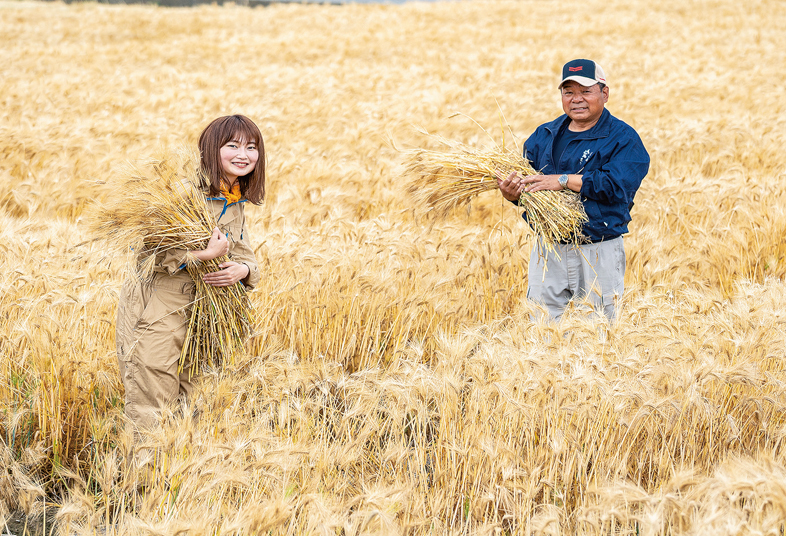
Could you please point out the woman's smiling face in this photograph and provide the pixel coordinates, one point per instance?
(238, 158)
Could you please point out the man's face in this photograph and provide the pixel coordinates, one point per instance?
(583, 104)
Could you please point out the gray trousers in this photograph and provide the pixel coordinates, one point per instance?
(590, 273)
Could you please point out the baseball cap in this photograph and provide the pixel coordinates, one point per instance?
(585, 72)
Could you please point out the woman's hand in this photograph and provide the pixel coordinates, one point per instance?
(217, 245)
(231, 272)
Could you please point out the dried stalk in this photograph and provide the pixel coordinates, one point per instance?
(445, 180)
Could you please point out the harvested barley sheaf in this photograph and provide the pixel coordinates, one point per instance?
(160, 207)
(445, 180)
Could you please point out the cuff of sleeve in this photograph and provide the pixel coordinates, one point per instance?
(188, 259)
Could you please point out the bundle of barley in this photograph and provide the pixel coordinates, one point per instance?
(445, 180)
(160, 207)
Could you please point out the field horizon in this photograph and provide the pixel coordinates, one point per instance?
(398, 381)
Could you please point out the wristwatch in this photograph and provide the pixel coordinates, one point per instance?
(563, 181)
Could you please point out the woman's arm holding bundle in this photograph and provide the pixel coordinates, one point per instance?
(217, 246)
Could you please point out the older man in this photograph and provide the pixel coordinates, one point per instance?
(591, 152)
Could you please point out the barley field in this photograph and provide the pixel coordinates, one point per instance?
(398, 382)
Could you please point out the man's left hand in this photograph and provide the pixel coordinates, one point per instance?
(535, 183)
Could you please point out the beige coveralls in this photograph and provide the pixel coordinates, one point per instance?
(152, 317)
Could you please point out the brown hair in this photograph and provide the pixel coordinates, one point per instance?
(219, 132)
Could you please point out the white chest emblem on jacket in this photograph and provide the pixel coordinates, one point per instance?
(584, 157)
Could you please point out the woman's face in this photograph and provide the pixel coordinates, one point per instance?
(238, 158)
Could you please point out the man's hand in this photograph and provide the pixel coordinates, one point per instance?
(510, 186)
(231, 272)
(536, 183)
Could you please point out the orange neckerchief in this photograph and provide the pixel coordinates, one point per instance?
(232, 196)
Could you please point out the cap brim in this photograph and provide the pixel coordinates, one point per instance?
(583, 80)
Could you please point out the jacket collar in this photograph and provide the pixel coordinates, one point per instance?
(600, 130)
(226, 204)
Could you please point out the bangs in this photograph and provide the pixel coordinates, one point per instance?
(243, 138)
(239, 128)
(243, 135)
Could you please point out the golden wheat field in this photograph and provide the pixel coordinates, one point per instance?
(396, 382)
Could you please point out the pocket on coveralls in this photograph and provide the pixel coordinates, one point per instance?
(129, 310)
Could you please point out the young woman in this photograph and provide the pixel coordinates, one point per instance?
(152, 315)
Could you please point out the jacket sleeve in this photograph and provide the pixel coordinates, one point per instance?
(532, 151)
(172, 260)
(244, 253)
(620, 173)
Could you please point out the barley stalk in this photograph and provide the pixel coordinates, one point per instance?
(445, 180)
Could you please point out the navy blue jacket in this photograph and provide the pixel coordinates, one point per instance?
(612, 161)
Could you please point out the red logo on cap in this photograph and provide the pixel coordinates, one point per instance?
(574, 69)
